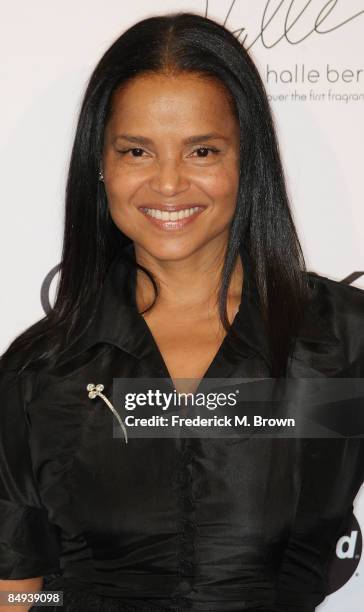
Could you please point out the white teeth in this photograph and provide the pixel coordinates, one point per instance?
(171, 216)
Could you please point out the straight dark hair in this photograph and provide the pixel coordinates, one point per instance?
(172, 44)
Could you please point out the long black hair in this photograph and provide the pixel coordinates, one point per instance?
(178, 43)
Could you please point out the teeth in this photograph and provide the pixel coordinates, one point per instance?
(171, 216)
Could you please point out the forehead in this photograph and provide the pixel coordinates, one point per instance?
(159, 100)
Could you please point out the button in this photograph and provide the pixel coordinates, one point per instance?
(184, 586)
(187, 567)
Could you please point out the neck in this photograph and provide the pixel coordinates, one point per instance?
(189, 284)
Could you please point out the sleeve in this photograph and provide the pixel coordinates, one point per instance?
(333, 473)
(331, 478)
(29, 543)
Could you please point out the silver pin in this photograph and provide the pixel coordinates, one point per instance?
(96, 390)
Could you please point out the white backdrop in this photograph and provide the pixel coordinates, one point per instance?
(310, 54)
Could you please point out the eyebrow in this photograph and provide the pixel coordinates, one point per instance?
(189, 140)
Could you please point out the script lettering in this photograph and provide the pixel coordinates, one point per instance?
(272, 17)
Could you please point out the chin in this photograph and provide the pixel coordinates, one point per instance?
(168, 250)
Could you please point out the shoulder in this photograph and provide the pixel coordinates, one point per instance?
(339, 289)
(18, 372)
(32, 350)
(331, 337)
(16, 386)
(344, 302)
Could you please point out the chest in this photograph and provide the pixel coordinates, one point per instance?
(188, 345)
(186, 349)
(122, 495)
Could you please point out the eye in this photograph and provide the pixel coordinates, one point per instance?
(138, 151)
(205, 151)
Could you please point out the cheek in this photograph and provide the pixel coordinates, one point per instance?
(120, 188)
(222, 188)
(219, 183)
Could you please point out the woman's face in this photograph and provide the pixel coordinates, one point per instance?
(172, 144)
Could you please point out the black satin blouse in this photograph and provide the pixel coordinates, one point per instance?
(199, 524)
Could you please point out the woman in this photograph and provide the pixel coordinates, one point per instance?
(180, 261)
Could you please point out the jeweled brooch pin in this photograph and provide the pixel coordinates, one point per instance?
(96, 390)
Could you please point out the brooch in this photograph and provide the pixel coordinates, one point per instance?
(96, 390)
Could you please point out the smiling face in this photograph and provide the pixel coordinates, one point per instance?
(171, 164)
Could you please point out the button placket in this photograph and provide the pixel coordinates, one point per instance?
(188, 533)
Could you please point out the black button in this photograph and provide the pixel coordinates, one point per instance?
(184, 586)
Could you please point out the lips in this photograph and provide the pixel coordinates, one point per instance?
(172, 217)
(171, 207)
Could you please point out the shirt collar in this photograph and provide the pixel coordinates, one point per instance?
(116, 320)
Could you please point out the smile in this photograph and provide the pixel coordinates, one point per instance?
(171, 216)
(173, 220)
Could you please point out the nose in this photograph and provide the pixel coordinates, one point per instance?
(169, 177)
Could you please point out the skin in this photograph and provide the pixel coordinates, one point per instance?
(187, 262)
(167, 109)
(29, 585)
